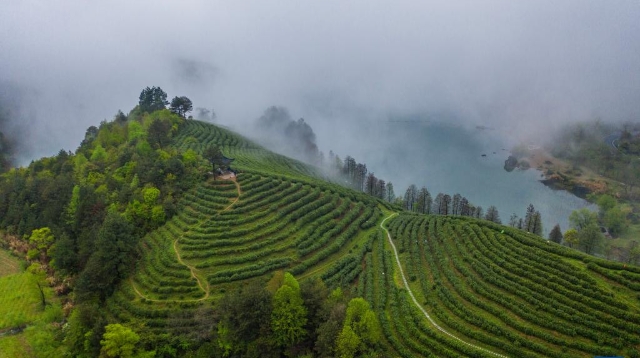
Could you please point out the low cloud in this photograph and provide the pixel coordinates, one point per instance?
(521, 67)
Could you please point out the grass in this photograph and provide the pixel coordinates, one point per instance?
(37, 340)
(8, 264)
(19, 300)
(20, 305)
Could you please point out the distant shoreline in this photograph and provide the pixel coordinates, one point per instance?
(559, 175)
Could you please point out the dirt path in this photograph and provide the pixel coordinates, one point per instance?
(193, 270)
(233, 179)
(413, 298)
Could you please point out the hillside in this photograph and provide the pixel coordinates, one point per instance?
(511, 293)
(474, 288)
(274, 216)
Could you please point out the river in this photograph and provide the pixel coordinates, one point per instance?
(449, 159)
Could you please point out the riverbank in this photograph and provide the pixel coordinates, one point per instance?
(560, 175)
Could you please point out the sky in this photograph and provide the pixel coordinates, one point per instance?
(523, 67)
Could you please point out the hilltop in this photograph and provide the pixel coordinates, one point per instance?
(147, 243)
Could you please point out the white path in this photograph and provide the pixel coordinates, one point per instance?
(404, 279)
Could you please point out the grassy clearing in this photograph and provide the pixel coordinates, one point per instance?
(8, 264)
(37, 340)
(15, 347)
(19, 300)
(20, 305)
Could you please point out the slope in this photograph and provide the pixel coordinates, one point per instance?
(277, 214)
(505, 291)
(491, 290)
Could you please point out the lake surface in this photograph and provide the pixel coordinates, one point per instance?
(448, 159)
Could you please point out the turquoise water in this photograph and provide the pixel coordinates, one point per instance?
(448, 159)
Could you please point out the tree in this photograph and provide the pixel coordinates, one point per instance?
(360, 176)
(348, 343)
(64, 254)
(536, 223)
(245, 315)
(349, 169)
(181, 106)
(424, 201)
(314, 294)
(381, 190)
(390, 197)
(361, 330)
(615, 220)
(40, 241)
(120, 341)
(152, 99)
(112, 259)
(410, 197)
(583, 218)
(633, 253)
(492, 215)
(585, 222)
(455, 206)
(328, 331)
(605, 203)
(571, 238)
(465, 207)
(513, 220)
(437, 203)
(120, 117)
(214, 156)
(556, 234)
(302, 140)
(371, 184)
(205, 114)
(590, 239)
(529, 218)
(159, 133)
(289, 314)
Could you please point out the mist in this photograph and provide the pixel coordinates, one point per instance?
(523, 68)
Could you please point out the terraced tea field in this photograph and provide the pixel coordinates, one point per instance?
(467, 287)
(500, 289)
(228, 231)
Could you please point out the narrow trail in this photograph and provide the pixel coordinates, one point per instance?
(193, 273)
(193, 270)
(237, 198)
(413, 298)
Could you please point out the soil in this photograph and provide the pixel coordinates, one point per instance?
(227, 176)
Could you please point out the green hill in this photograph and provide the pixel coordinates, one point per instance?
(487, 286)
(444, 286)
(276, 215)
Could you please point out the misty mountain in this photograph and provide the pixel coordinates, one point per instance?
(277, 130)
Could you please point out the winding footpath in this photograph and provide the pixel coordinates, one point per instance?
(191, 268)
(413, 298)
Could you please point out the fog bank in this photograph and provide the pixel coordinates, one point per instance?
(521, 67)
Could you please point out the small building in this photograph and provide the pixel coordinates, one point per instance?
(224, 167)
(226, 163)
